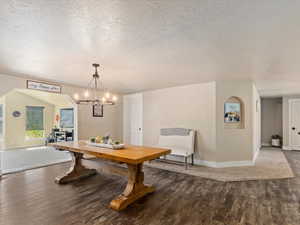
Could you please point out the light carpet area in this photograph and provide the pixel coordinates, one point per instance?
(28, 158)
(270, 164)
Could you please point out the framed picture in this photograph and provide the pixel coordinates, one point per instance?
(97, 110)
(232, 112)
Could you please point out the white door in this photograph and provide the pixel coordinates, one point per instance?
(133, 119)
(1, 135)
(294, 124)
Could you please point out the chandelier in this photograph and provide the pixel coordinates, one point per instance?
(91, 95)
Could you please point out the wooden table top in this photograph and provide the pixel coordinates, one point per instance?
(130, 154)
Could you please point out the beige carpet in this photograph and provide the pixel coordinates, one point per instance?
(270, 164)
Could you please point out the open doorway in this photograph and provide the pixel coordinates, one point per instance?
(271, 122)
(30, 120)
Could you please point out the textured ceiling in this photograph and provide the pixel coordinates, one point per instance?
(148, 44)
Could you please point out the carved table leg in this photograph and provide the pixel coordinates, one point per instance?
(77, 170)
(134, 190)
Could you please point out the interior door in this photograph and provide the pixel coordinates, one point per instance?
(295, 124)
(133, 119)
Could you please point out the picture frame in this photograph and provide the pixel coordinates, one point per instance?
(97, 110)
(232, 112)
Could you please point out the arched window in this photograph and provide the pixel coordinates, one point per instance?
(234, 113)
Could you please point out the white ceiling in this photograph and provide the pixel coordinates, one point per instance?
(149, 44)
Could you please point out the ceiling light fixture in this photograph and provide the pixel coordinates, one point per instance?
(92, 91)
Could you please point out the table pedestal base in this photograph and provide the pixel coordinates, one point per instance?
(134, 190)
(77, 170)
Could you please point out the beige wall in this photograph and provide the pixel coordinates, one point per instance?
(191, 106)
(271, 118)
(15, 127)
(234, 144)
(201, 107)
(87, 125)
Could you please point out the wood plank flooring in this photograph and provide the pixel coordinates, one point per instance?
(32, 198)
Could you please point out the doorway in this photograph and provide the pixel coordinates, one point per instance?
(271, 120)
(32, 119)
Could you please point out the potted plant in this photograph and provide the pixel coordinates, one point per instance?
(276, 140)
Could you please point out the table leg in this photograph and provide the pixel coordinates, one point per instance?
(134, 190)
(77, 170)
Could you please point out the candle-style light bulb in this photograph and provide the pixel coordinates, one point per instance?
(107, 95)
(103, 99)
(114, 98)
(76, 96)
(86, 94)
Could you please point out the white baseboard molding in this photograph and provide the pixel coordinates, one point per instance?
(256, 155)
(266, 145)
(287, 148)
(215, 164)
(15, 170)
(223, 164)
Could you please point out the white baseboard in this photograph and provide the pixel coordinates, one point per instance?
(215, 164)
(266, 145)
(223, 164)
(15, 170)
(287, 148)
(256, 155)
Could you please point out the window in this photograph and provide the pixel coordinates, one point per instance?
(34, 122)
(1, 121)
(67, 118)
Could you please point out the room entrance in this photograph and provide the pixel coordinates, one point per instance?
(30, 120)
(271, 122)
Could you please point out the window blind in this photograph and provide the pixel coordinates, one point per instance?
(34, 118)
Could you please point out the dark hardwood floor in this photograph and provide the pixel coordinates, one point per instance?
(32, 198)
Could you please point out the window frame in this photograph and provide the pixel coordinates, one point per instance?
(2, 120)
(30, 137)
(73, 119)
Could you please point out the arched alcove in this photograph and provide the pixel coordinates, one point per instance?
(234, 113)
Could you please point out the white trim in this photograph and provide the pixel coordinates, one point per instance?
(286, 148)
(75, 108)
(215, 164)
(15, 170)
(266, 144)
(224, 164)
(256, 155)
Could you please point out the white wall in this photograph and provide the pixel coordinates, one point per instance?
(191, 106)
(87, 125)
(271, 119)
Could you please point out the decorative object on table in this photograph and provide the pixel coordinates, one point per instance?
(42, 86)
(105, 142)
(276, 140)
(232, 112)
(91, 95)
(16, 113)
(97, 110)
